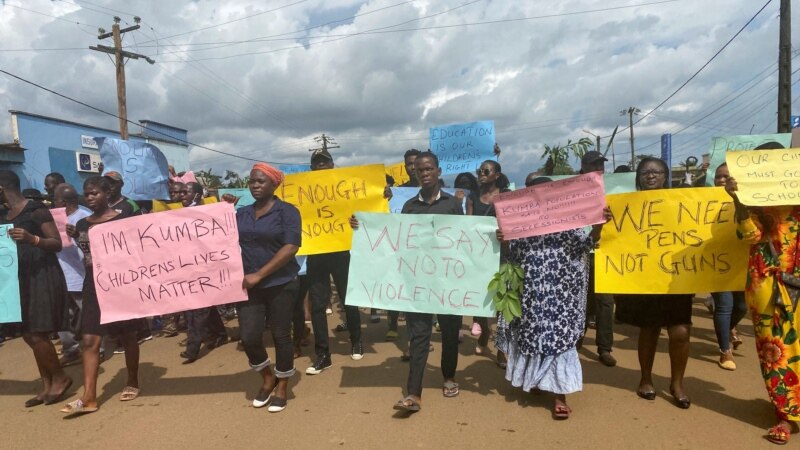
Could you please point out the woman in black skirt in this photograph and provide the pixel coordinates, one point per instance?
(651, 312)
(42, 288)
(96, 190)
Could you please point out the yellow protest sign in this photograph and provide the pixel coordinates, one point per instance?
(398, 172)
(677, 241)
(159, 205)
(766, 177)
(326, 200)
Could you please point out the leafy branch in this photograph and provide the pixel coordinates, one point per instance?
(506, 290)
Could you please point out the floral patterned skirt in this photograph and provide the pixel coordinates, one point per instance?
(778, 348)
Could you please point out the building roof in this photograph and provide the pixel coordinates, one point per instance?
(12, 146)
(145, 121)
(16, 111)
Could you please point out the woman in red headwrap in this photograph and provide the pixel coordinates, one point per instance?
(269, 235)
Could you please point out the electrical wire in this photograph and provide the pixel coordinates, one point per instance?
(130, 121)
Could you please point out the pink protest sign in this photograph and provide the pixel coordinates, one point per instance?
(60, 217)
(551, 207)
(179, 260)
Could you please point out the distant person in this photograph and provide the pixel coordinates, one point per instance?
(599, 307)
(176, 191)
(51, 180)
(43, 291)
(491, 183)
(624, 168)
(71, 261)
(729, 307)
(321, 268)
(408, 158)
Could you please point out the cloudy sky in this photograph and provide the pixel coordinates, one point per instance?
(261, 78)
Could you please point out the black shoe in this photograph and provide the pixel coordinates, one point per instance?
(341, 327)
(357, 351)
(607, 359)
(220, 341)
(322, 363)
(188, 359)
(681, 402)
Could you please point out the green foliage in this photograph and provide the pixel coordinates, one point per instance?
(558, 156)
(213, 181)
(506, 290)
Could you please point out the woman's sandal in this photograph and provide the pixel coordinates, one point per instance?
(735, 340)
(779, 434)
(450, 389)
(129, 393)
(407, 404)
(78, 407)
(561, 411)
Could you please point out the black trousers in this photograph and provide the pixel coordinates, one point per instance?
(320, 269)
(299, 313)
(205, 322)
(276, 305)
(419, 332)
(602, 307)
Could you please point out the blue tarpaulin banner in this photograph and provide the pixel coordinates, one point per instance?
(143, 167)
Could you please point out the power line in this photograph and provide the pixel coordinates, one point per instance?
(51, 16)
(703, 66)
(130, 121)
(232, 21)
(382, 30)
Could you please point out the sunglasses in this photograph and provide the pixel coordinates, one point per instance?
(485, 172)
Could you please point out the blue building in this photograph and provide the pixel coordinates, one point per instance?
(46, 144)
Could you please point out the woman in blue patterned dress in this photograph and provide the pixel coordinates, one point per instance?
(541, 345)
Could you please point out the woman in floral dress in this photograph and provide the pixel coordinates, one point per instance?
(776, 325)
(540, 345)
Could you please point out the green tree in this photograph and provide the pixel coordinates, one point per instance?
(209, 179)
(558, 156)
(234, 180)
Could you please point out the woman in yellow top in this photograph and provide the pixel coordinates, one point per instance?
(774, 233)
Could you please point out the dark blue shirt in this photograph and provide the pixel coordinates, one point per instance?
(261, 239)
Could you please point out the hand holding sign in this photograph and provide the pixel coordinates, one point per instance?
(766, 177)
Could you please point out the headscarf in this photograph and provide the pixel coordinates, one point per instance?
(275, 175)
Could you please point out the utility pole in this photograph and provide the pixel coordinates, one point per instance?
(785, 69)
(630, 112)
(119, 62)
(325, 142)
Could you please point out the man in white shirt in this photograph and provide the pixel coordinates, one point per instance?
(71, 260)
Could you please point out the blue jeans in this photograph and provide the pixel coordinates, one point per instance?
(729, 308)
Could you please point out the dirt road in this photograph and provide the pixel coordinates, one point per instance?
(208, 404)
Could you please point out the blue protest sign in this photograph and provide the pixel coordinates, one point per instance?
(10, 311)
(143, 167)
(400, 195)
(293, 168)
(722, 144)
(245, 198)
(463, 147)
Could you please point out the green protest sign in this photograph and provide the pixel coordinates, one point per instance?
(423, 263)
(722, 144)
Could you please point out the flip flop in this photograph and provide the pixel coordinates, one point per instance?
(779, 434)
(561, 411)
(450, 389)
(407, 404)
(50, 399)
(77, 407)
(128, 394)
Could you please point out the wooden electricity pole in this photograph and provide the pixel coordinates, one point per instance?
(630, 112)
(119, 62)
(785, 70)
(325, 143)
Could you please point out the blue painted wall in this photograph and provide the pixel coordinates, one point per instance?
(51, 146)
